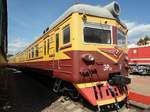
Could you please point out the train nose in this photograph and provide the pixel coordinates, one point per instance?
(99, 94)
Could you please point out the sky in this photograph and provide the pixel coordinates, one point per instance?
(28, 18)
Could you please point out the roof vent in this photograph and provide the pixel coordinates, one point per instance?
(114, 8)
(44, 32)
(47, 29)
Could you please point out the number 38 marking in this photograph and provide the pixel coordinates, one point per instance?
(107, 67)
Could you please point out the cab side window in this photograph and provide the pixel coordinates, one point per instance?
(66, 35)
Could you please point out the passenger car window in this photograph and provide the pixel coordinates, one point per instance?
(32, 52)
(36, 51)
(66, 35)
(48, 46)
(44, 47)
(57, 42)
(29, 54)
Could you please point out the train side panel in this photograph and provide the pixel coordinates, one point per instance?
(44, 55)
(139, 55)
(139, 59)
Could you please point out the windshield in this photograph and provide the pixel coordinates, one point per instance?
(121, 38)
(97, 34)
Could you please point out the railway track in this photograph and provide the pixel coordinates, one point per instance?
(65, 104)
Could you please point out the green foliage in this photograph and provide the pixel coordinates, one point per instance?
(144, 41)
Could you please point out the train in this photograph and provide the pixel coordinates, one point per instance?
(3, 33)
(86, 47)
(139, 59)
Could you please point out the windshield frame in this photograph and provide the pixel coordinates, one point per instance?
(97, 26)
(123, 34)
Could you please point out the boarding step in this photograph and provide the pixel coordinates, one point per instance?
(56, 86)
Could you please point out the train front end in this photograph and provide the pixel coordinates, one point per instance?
(100, 59)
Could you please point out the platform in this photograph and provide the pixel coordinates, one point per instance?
(139, 94)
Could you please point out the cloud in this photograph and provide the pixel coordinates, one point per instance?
(16, 45)
(130, 25)
(19, 44)
(136, 31)
(143, 29)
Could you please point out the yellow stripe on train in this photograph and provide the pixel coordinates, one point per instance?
(110, 101)
(90, 84)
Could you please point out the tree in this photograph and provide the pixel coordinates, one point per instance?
(140, 42)
(143, 41)
(146, 39)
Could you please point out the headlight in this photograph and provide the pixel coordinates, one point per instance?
(88, 58)
(114, 8)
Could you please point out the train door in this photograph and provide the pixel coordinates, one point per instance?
(57, 54)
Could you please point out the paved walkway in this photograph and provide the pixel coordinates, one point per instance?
(140, 89)
(140, 84)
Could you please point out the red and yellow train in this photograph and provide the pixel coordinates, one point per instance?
(86, 47)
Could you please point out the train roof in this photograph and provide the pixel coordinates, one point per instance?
(99, 11)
